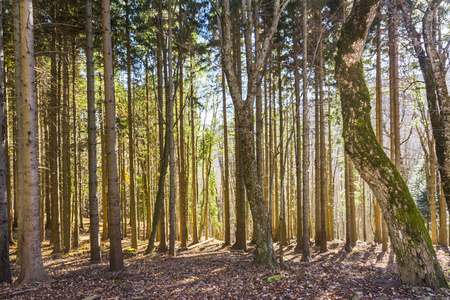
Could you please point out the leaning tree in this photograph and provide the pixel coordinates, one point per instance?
(416, 259)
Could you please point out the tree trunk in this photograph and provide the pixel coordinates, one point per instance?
(116, 256)
(31, 264)
(18, 85)
(169, 131)
(5, 269)
(194, 168)
(323, 171)
(306, 256)
(103, 175)
(76, 200)
(416, 259)
(226, 184)
(379, 121)
(182, 155)
(438, 98)
(65, 149)
(130, 133)
(94, 236)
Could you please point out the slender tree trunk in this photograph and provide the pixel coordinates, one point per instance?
(226, 184)
(5, 269)
(18, 90)
(94, 236)
(379, 121)
(182, 160)
(65, 149)
(169, 121)
(31, 264)
(298, 140)
(323, 172)
(194, 171)
(116, 256)
(416, 259)
(306, 256)
(76, 200)
(104, 180)
(130, 133)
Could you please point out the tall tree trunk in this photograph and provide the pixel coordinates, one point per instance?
(379, 119)
(323, 171)
(76, 200)
(306, 256)
(5, 269)
(19, 96)
(130, 133)
(194, 169)
(103, 175)
(298, 140)
(169, 131)
(94, 236)
(31, 264)
(65, 148)
(226, 184)
(416, 259)
(182, 155)
(116, 256)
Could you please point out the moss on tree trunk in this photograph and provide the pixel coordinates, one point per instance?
(417, 263)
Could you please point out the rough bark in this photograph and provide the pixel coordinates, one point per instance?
(416, 259)
(31, 264)
(116, 256)
(92, 140)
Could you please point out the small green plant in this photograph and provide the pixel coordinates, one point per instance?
(274, 278)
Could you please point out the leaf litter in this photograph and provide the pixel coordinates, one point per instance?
(214, 272)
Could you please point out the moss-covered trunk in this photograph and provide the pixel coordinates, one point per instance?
(264, 253)
(417, 263)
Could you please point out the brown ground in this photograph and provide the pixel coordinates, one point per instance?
(210, 272)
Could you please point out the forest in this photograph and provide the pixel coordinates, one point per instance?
(224, 149)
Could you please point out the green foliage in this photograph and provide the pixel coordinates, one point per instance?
(418, 187)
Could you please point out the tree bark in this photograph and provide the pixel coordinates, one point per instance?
(5, 268)
(116, 256)
(379, 120)
(92, 140)
(416, 259)
(306, 256)
(226, 184)
(19, 163)
(130, 133)
(31, 264)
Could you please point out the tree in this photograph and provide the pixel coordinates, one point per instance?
(130, 133)
(256, 59)
(31, 265)
(434, 74)
(5, 269)
(92, 140)
(416, 259)
(115, 256)
(305, 141)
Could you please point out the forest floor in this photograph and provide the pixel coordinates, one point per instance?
(212, 272)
